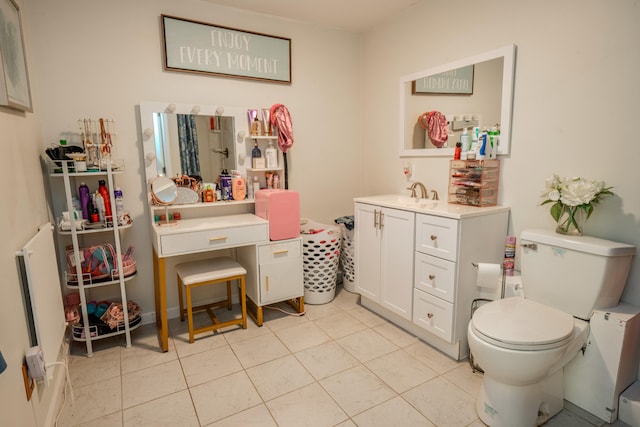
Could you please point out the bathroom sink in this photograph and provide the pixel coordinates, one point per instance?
(407, 201)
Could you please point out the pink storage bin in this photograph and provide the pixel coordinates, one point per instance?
(282, 209)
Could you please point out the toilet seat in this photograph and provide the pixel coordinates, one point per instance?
(521, 324)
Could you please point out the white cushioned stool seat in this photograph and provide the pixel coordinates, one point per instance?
(209, 272)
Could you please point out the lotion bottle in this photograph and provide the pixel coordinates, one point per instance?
(465, 140)
(271, 155)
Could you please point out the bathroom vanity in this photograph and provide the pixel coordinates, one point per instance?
(414, 261)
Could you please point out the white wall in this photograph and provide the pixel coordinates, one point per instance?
(575, 108)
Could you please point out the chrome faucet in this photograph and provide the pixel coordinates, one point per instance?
(423, 190)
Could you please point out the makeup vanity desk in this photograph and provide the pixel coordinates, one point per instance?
(244, 232)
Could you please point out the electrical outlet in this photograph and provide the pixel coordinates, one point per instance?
(35, 363)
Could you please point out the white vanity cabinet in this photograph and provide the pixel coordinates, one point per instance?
(416, 269)
(274, 273)
(384, 256)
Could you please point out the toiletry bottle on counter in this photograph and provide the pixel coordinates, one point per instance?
(256, 186)
(458, 150)
(83, 191)
(271, 156)
(256, 153)
(209, 195)
(225, 185)
(465, 140)
(255, 127)
(238, 186)
(102, 189)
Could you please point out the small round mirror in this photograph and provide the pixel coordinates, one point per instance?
(163, 190)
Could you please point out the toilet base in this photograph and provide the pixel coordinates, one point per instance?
(500, 404)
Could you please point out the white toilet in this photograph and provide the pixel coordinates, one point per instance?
(522, 344)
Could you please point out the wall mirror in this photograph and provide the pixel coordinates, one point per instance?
(193, 139)
(482, 97)
(193, 144)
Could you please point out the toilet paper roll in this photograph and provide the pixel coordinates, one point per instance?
(489, 275)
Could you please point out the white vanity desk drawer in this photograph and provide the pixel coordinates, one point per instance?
(206, 234)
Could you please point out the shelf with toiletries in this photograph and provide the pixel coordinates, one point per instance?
(474, 182)
(94, 222)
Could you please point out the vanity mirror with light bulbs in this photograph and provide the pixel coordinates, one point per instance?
(486, 101)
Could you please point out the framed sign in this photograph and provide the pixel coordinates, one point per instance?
(14, 79)
(458, 81)
(198, 47)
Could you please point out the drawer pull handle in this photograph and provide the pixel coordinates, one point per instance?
(266, 279)
(283, 251)
(432, 276)
(213, 239)
(429, 315)
(434, 237)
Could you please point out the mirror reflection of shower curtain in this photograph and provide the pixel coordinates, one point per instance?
(188, 139)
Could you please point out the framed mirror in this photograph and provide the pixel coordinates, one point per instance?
(193, 139)
(470, 92)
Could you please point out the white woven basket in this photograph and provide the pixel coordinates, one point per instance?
(321, 254)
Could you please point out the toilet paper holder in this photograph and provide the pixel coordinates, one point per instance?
(503, 281)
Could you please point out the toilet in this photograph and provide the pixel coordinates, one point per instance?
(522, 343)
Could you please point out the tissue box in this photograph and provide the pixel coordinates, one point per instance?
(282, 209)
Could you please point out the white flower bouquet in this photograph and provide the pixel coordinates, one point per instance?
(573, 201)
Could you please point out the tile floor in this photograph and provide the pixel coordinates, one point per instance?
(338, 365)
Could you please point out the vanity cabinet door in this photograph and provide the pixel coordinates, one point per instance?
(384, 246)
(396, 261)
(281, 275)
(367, 240)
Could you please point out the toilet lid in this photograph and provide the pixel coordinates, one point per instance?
(518, 323)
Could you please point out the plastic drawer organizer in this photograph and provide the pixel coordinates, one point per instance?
(320, 254)
(474, 182)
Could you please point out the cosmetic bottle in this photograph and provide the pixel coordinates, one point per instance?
(271, 155)
(238, 186)
(117, 194)
(98, 203)
(102, 189)
(209, 195)
(256, 127)
(256, 153)
(256, 186)
(83, 191)
(465, 140)
(225, 185)
(458, 150)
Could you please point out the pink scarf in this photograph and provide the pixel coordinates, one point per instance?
(281, 119)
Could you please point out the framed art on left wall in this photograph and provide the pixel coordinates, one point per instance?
(14, 78)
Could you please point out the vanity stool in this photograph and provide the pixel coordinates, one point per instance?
(209, 272)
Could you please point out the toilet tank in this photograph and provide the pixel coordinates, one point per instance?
(575, 274)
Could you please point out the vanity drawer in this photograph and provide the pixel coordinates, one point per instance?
(433, 314)
(219, 238)
(437, 236)
(435, 276)
(280, 251)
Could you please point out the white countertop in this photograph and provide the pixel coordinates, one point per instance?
(209, 223)
(430, 207)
